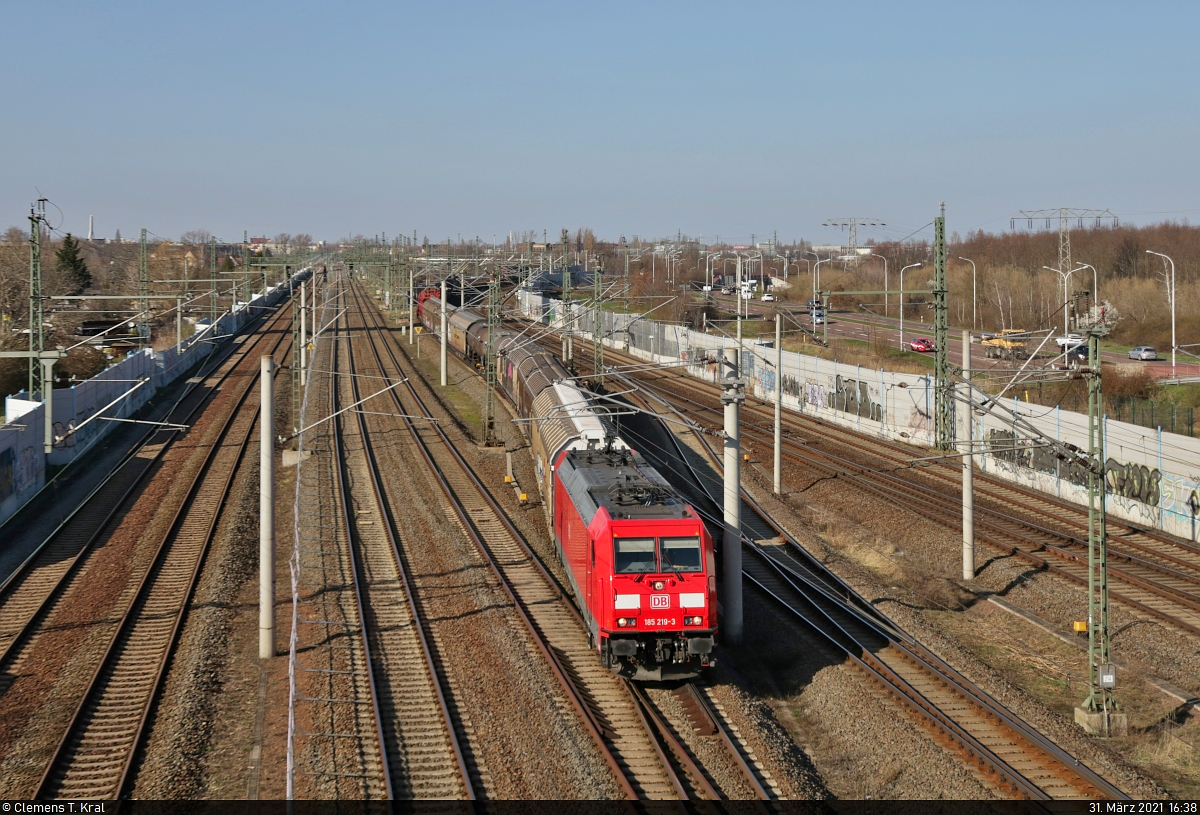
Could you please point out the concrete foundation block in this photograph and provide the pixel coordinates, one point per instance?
(293, 457)
(1102, 724)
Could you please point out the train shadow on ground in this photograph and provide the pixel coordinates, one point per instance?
(778, 657)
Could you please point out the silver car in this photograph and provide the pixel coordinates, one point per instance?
(1143, 352)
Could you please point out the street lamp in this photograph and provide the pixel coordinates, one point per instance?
(973, 321)
(902, 271)
(1066, 276)
(1171, 297)
(817, 276)
(885, 294)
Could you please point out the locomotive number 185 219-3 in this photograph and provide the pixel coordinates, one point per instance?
(661, 622)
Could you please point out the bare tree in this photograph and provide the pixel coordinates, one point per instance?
(196, 237)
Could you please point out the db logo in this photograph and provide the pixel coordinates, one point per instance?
(660, 601)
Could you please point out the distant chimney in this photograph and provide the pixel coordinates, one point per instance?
(90, 236)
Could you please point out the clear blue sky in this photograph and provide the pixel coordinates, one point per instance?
(635, 118)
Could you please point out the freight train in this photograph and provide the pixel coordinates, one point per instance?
(637, 555)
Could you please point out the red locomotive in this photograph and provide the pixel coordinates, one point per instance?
(637, 555)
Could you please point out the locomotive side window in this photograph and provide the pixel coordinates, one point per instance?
(681, 555)
(633, 555)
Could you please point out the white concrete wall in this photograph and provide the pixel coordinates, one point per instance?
(1152, 478)
(22, 460)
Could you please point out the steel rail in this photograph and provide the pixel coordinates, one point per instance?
(59, 554)
(356, 567)
(58, 768)
(865, 476)
(437, 680)
(897, 685)
(673, 743)
(573, 694)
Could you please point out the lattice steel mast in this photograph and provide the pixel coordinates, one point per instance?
(597, 327)
(944, 391)
(37, 335)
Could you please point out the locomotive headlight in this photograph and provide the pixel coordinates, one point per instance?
(658, 585)
(625, 622)
(693, 620)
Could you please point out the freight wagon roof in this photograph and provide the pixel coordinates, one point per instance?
(565, 420)
(620, 481)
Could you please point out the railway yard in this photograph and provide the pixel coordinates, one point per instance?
(431, 642)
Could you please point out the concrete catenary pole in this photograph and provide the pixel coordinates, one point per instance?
(303, 332)
(445, 308)
(266, 512)
(968, 461)
(731, 545)
(778, 403)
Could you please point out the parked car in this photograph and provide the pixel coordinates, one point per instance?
(813, 304)
(768, 298)
(1076, 355)
(921, 344)
(817, 316)
(726, 290)
(1067, 340)
(1143, 352)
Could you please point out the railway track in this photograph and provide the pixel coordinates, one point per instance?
(420, 748)
(26, 592)
(1153, 573)
(95, 755)
(604, 703)
(1002, 751)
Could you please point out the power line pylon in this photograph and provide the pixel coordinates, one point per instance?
(37, 335)
(853, 224)
(1064, 216)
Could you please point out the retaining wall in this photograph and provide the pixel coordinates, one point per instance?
(22, 460)
(1152, 478)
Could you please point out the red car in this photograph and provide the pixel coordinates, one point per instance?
(921, 344)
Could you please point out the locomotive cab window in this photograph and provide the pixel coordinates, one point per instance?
(633, 555)
(681, 555)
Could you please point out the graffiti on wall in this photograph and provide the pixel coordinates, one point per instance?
(1136, 481)
(8, 472)
(1122, 479)
(919, 421)
(27, 468)
(766, 379)
(814, 394)
(855, 397)
(790, 385)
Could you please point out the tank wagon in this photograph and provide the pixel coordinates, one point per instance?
(637, 555)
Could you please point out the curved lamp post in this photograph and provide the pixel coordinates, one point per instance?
(1066, 276)
(902, 271)
(1171, 298)
(974, 324)
(885, 282)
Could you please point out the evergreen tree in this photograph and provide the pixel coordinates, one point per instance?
(70, 264)
(227, 265)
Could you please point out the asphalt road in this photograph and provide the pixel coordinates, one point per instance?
(868, 327)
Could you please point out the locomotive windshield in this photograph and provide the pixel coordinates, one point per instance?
(681, 555)
(634, 555)
(638, 555)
